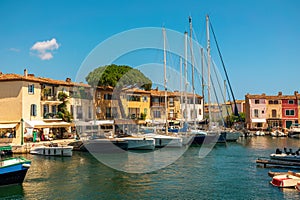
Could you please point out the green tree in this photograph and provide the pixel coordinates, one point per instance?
(62, 108)
(118, 77)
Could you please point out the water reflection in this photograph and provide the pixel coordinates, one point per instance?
(12, 192)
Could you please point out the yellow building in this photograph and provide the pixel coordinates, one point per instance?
(29, 103)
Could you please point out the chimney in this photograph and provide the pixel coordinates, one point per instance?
(295, 93)
(279, 93)
(68, 80)
(1, 73)
(25, 73)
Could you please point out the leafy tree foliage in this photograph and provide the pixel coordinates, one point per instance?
(118, 76)
(62, 108)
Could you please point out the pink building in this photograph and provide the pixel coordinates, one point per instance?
(256, 112)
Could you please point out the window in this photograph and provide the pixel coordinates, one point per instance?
(145, 111)
(45, 109)
(200, 111)
(79, 112)
(271, 102)
(262, 112)
(255, 112)
(291, 102)
(108, 112)
(156, 114)
(107, 96)
(256, 101)
(298, 102)
(171, 101)
(290, 112)
(31, 89)
(89, 112)
(54, 109)
(33, 110)
(274, 113)
(276, 101)
(145, 99)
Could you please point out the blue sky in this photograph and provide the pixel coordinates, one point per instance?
(259, 39)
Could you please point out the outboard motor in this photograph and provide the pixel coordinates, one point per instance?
(278, 151)
(285, 151)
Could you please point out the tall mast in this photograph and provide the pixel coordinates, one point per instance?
(208, 70)
(185, 75)
(181, 98)
(202, 79)
(193, 71)
(165, 80)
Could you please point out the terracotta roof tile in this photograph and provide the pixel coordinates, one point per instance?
(30, 77)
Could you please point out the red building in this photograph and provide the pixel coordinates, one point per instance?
(289, 111)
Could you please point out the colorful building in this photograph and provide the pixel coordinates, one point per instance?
(29, 104)
(256, 107)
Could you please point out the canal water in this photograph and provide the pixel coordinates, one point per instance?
(228, 171)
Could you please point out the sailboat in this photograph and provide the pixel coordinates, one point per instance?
(211, 135)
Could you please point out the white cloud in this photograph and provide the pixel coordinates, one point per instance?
(45, 49)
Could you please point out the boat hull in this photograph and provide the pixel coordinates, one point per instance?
(13, 171)
(15, 177)
(106, 146)
(285, 157)
(52, 151)
(140, 143)
(285, 181)
(200, 139)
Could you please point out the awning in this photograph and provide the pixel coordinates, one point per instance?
(42, 124)
(12, 125)
(258, 120)
(102, 122)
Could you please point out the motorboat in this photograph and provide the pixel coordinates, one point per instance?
(52, 150)
(13, 170)
(294, 131)
(286, 155)
(285, 181)
(260, 133)
(277, 133)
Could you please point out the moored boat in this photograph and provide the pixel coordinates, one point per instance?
(52, 150)
(165, 140)
(232, 136)
(277, 133)
(13, 170)
(141, 143)
(285, 181)
(5, 150)
(115, 145)
(294, 131)
(286, 155)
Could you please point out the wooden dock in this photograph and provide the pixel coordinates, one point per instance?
(277, 163)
